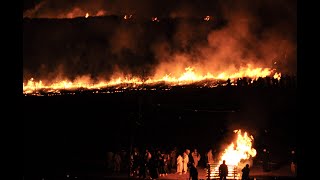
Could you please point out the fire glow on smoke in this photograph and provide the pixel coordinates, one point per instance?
(187, 77)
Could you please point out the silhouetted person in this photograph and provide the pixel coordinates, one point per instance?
(294, 81)
(265, 160)
(239, 82)
(193, 172)
(154, 167)
(245, 82)
(282, 81)
(293, 163)
(274, 82)
(143, 166)
(228, 82)
(245, 172)
(260, 82)
(267, 81)
(173, 159)
(116, 162)
(191, 160)
(223, 170)
(109, 160)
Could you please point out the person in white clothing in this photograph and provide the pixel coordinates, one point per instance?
(179, 164)
(185, 162)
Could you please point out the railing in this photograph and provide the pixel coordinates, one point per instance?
(213, 171)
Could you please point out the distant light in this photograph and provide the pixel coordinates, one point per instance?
(207, 18)
(155, 19)
(127, 16)
(87, 15)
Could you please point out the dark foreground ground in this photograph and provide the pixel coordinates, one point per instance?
(75, 132)
(255, 174)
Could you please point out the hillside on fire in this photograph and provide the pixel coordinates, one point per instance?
(98, 52)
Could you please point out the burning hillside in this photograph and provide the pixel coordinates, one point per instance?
(234, 41)
(188, 77)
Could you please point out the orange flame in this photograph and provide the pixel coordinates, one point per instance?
(277, 76)
(187, 77)
(239, 150)
(87, 15)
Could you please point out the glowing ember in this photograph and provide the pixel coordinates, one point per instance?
(87, 15)
(187, 77)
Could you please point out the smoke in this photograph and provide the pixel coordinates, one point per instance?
(139, 8)
(66, 9)
(260, 33)
(245, 39)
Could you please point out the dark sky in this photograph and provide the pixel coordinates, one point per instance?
(283, 9)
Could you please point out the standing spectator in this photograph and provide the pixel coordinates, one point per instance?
(116, 162)
(265, 160)
(245, 173)
(153, 167)
(173, 159)
(185, 162)
(193, 172)
(166, 160)
(109, 160)
(190, 161)
(210, 159)
(196, 157)
(223, 170)
(293, 163)
(179, 164)
(160, 157)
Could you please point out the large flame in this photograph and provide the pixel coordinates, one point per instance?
(190, 75)
(239, 150)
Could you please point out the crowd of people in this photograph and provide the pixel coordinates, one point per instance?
(286, 81)
(155, 163)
